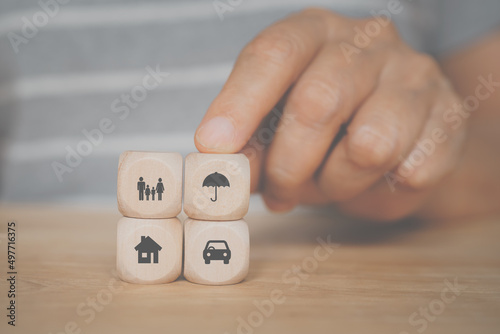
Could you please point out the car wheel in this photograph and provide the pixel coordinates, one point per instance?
(207, 261)
(226, 261)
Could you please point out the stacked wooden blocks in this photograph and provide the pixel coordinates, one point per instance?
(216, 198)
(150, 237)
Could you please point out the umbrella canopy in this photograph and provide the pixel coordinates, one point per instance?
(216, 180)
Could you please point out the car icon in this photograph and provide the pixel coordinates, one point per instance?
(216, 250)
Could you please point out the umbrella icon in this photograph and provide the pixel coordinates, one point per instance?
(215, 180)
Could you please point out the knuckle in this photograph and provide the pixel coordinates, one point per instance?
(386, 35)
(371, 149)
(281, 176)
(275, 46)
(423, 170)
(318, 101)
(416, 182)
(314, 11)
(423, 71)
(325, 19)
(391, 31)
(420, 179)
(425, 63)
(323, 15)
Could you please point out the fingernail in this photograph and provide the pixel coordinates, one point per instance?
(217, 134)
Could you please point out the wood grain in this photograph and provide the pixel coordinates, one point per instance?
(373, 281)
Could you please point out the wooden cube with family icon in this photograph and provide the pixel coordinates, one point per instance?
(150, 184)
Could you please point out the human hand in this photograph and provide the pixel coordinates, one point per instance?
(392, 100)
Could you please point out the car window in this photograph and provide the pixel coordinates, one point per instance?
(217, 245)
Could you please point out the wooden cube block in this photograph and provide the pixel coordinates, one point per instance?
(216, 186)
(149, 251)
(216, 252)
(150, 184)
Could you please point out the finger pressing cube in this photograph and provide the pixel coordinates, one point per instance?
(149, 251)
(150, 184)
(216, 186)
(216, 252)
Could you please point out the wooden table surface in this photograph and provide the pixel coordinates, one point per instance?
(432, 277)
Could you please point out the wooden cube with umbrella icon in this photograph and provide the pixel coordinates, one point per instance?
(216, 180)
(228, 174)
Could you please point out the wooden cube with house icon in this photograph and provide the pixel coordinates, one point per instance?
(149, 184)
(149, 251)
(216, 186)
(216, 252)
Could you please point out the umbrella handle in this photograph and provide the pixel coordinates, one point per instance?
(213, 200)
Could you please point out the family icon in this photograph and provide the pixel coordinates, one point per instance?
(145, 190)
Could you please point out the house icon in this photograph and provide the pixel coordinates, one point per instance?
(145, 248)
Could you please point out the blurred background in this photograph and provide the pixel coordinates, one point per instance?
(83, 80)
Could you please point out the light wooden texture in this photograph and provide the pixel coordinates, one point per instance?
(216, 252)
(372, 283)
(151, 167)
(227, 201)
(134, 262)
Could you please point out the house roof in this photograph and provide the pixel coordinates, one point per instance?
(147, 245)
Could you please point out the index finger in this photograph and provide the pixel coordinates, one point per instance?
(263, 72)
